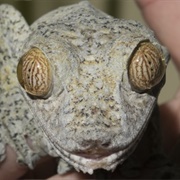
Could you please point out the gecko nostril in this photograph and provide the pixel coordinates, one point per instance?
(105, 144)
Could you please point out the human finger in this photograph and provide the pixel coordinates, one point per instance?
(163, 17)
(70, 175)
(9, 168)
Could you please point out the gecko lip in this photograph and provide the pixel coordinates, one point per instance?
(107, 160)
(88, 164)
(95, 153)
(96, 150)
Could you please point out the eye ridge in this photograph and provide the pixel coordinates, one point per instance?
(146, 67)
(34, 73)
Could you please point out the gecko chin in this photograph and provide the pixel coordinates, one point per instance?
(90, 160)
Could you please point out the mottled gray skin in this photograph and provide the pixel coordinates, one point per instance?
(93, 119)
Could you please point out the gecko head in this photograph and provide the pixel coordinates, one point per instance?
(91, 108)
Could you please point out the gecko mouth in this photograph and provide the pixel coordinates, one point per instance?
(96, 153)
(87, 161)
(101, 158)
(93, 155)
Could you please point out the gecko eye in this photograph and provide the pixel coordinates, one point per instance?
(34, 73)
(146, 67)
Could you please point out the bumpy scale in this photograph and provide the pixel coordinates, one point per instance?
(80, 72)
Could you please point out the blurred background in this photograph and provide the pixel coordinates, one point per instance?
(127, 9)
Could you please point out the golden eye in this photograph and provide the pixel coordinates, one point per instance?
(34, 73)
(146, 67)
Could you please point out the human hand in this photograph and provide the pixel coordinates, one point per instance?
(163, 18)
